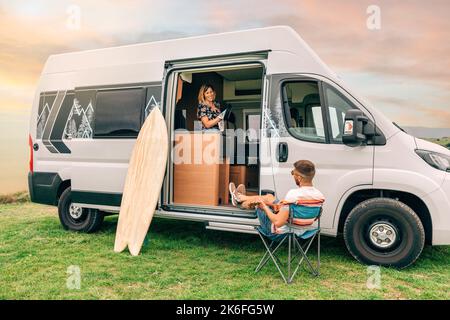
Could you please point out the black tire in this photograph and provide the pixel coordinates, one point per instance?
(89, 221)
(368, 245)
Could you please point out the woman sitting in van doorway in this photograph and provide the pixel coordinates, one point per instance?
(273, 219)
(208, 111)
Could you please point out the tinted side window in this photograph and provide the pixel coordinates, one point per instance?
(337, 107)
(119, 112)
(303, 111)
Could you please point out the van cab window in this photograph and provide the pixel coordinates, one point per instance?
(337, 106)
(303, 111)
(118, 113)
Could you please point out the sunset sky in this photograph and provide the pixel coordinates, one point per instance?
(403, 68)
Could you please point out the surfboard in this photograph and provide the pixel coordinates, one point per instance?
(142, 184)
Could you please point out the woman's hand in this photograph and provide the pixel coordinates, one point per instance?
(210, 123)
(222, 115)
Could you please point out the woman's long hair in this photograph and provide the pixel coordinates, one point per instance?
(201, 92)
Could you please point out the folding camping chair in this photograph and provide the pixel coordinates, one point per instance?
(295, 234)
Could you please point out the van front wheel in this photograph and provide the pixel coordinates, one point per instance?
(75, 218)
(384, 232)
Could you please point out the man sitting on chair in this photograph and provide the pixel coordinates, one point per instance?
(274, 220)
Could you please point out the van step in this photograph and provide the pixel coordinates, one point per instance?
(231, 227)
(220, 211)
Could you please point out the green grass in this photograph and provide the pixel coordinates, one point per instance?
(445, 141)
(182, 260)
(20, 197)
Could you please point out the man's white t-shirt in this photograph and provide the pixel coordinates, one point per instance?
(294, 195)
(303, 193)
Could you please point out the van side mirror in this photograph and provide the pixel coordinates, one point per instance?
(354, 135)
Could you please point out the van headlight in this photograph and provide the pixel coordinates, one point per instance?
(436, 160)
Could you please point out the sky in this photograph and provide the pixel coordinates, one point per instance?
(395, 54)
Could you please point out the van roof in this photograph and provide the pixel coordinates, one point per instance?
(277, 38)
(289, 54)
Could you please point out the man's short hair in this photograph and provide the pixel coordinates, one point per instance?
(305, 168)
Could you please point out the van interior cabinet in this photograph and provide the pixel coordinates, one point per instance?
(237, 174)
(224, 180)
(246, 175)
(200, 175)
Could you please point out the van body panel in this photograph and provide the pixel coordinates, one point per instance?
(345, 196)
(438, 203)
(335, 174)
(298, 61)
(278, 38)
(129, 73)
(92, 164)
(398, 167)
(105, 159)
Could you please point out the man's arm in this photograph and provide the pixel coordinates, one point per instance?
(279, 219)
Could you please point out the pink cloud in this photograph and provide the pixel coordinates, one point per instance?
(412, 43)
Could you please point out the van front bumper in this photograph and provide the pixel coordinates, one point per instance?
(438, 203)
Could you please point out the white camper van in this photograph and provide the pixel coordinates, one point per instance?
(386, 191)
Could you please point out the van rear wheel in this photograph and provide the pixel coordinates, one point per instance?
(76, 218)
(384, 232)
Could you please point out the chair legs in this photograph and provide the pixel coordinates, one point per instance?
(303, 252)
(267, 256)
(318, 253)
(295, 250)
(271, 254)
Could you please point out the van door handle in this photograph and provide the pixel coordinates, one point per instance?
(282, 152)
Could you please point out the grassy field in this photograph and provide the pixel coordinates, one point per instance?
(184, 261)
(445, 141)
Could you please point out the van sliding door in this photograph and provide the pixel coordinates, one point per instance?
(170, 97)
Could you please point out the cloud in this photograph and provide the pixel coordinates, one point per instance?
(441, 117)
(411, 45)
(409, 112)
(25, 48)
(412, 40)
(27, 43)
